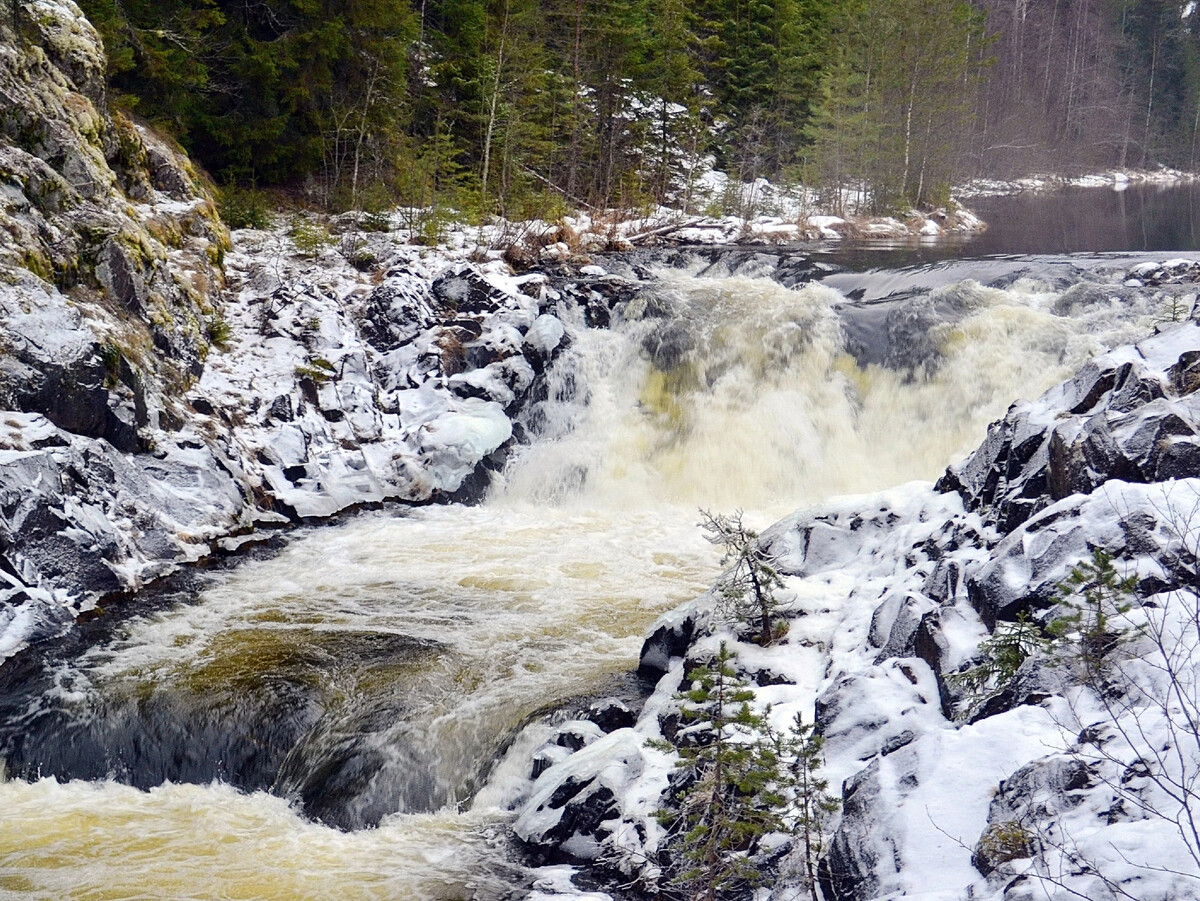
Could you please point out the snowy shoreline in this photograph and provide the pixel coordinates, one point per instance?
(1117, 179)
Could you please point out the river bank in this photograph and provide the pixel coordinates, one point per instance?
(437, 699)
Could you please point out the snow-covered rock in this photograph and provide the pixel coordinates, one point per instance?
(1130, 414)
(1046, 786)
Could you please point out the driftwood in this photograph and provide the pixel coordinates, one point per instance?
(664, 230)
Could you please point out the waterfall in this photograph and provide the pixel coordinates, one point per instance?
(375, 672)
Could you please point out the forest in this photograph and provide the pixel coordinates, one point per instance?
(525, 107)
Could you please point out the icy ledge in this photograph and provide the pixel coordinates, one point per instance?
(886, 596)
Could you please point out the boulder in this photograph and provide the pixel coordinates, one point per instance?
(1129, 415)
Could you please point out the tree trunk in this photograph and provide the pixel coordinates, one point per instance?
(1150, 100)
(492, 103)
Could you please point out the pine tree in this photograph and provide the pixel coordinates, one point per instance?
(748, 586)
(734, 797)
(1003, 653)
(1097, 599)
(745, 780)
(810, 804)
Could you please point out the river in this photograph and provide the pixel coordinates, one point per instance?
(350, 715)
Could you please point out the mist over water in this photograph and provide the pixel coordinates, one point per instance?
(385, 665)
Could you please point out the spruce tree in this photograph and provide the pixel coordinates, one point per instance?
(748, 586)
(734, 794)
(810, 805)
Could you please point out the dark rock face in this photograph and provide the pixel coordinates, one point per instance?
(1122, 418)
(397, 311)
(464, 292)
(671, 639)
(851, 869)
(1026, 801)
(610, 715)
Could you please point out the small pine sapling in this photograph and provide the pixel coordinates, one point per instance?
(734, 797)
(1097, 598)
(1003, 653)
(748, 586)
(810, 803)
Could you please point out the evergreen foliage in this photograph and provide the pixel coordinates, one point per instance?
(735, 797)
(749, 584)
(1003, 653)
(745, 780)
(810, 805)
(1097, 599)
(498, 106)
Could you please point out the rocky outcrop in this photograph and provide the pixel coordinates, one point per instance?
(1125, 416)
(151, 413)
(1022, 788)
(109, 286)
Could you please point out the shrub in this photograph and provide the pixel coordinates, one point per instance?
(220, 332)
(309, 238)
(243, 207)
(1003, 653)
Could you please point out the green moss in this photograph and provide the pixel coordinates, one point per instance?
(215, 251)
(1005, 841)
(131, 154)
(165, 230)
(317, 369)
(39, 264)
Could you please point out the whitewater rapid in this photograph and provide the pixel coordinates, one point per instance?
(431, 645)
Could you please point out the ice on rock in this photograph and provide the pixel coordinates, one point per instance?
(456, 441)
(546, 334)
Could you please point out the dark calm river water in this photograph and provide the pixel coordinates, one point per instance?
(1141, 218)
(1052, 236)
(1077, 220)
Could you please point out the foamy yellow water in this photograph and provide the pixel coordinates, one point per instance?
(108, 842)
(539, 596)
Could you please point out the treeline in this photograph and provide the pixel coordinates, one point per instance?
(1086, 83)
(519, 106)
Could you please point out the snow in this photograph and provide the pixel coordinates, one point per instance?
(555, 882)
(956, 772)
(1118, 180)
(472, 432)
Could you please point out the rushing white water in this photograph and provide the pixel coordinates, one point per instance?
(768, 411)
(505, 610)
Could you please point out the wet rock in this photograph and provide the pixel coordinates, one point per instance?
(610, 714)
(1122, 417)
(463, 291)
(577, 735)
(545, 338)
(668, 346)
(671, 638)
(576, 806)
